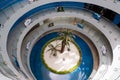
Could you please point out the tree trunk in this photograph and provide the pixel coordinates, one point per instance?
(63, 46)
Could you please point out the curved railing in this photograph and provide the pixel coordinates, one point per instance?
(64, 4)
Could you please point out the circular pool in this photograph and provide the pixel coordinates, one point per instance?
(41, 72)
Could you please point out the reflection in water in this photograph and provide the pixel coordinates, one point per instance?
(42, 73)
(78, 75)
(47, 75)
(58, 77)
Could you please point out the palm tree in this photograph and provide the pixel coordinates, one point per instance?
(66, 37)
(53, 49)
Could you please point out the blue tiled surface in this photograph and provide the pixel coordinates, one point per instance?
(40, 71)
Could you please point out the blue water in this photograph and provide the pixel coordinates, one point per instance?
(42, 73)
